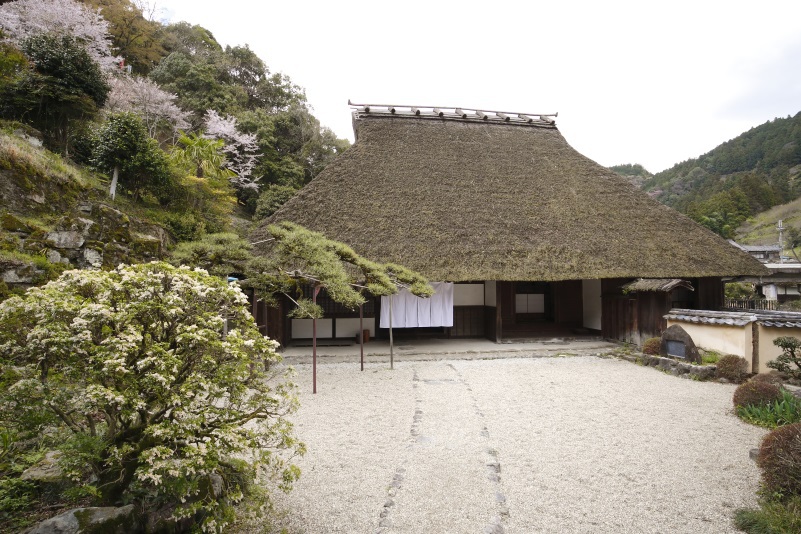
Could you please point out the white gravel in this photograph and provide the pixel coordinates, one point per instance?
(575, 444)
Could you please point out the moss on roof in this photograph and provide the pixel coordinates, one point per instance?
(464, 201)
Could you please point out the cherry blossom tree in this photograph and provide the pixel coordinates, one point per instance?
(22, 19)
(240, 149)
(145, 98)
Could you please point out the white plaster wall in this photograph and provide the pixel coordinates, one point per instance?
(490, 297)
(468, 294)
(302, 328)
(350, 327)
(767, 350)
(721, 338)
(591, 296)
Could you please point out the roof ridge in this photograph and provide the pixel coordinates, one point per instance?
(455, 113)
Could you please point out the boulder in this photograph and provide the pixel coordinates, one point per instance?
(92, 257)
(12, 223)
(45, 470)
(675, 337)
(108, 520)
(66, 239)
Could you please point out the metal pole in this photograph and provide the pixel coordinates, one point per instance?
(314, 342)
(361, 334)
(391, 355)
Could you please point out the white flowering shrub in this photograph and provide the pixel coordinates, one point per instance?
(177, 407)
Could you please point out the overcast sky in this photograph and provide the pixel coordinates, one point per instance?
(633, 82)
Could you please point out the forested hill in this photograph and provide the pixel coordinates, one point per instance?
(740, 178)
(636, 173)
(106, 113)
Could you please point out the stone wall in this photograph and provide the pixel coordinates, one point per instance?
(95, 235)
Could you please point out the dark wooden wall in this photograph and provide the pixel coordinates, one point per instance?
(272, 320)
(505, 295)
(492, 323)
(638, 316)
(468, 321)
(709, 293)
(568, 302)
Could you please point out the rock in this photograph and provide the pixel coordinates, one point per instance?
(147, 247)
(92, 257)
(753, 454)
(107, 520)
(66, 239)
(13, 224)
(23, 274)
(217, 486)
(53, 256)
(724, 380)
(45, 470)
(160, 521)
(33, 141)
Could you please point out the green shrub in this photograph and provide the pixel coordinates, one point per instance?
(272, 198)
(652, 345)
(784, 411)
(774, 516)
(184, 226)
(732, 368)
(16, 496)
(756, 394)
(791, 354)
(780, 460)
(710, 357)
(740, 290)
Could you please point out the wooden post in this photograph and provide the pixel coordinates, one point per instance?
(361, 334)
(314, 342)
(391, 355)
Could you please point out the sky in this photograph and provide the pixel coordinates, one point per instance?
(654, 83)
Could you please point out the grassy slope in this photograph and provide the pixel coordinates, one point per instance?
(761, 228)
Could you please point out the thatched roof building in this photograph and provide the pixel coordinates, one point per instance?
(467, 198)
(539, 235)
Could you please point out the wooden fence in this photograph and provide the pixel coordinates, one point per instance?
(750, 304)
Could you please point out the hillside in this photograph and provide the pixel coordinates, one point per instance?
(740, 178)
(57, 215)
(761, 229)
(121, 136)
(635, 173)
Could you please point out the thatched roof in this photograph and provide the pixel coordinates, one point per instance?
(665, 285)
(465, 199)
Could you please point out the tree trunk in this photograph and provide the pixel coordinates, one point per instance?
(112, 192)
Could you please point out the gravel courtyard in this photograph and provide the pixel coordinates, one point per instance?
(524, 445)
